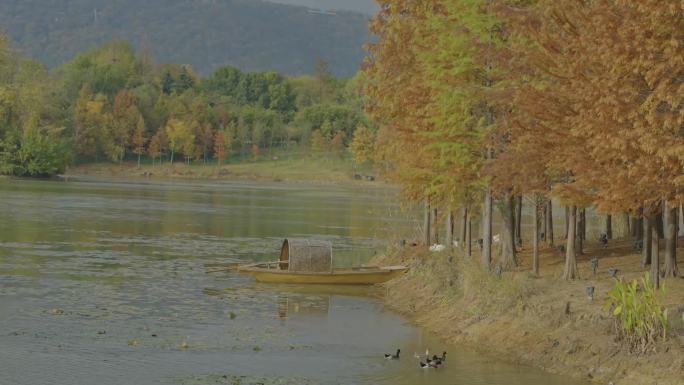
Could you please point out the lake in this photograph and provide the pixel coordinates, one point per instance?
(104, 281)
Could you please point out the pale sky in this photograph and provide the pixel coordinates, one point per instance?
(364, 6)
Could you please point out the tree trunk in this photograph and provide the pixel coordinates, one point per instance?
(518, 219)
(655, 254)
(567, 219)
(508, 255)
(609, 226)
(628, 223)
(681, 218)
(487, 230)
(449, 239)
(468, 242)
(535, 238)
(426, 223)
(570, 258)
(646, 245)
(583, 214)
(464, 224)
(579, 226)
(435, 233)
(171, 156)
(549, 222)
(544, 223)
(138, 160)
(670, 222)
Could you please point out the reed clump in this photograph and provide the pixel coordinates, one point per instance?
(640, 320)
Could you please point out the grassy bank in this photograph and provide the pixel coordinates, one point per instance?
(523, 319)
(293, 169)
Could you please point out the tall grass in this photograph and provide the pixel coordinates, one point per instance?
(640, 319)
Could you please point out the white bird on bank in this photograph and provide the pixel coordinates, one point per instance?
(437, 247)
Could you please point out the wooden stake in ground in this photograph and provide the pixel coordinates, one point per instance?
(609, 226)
(570, 258)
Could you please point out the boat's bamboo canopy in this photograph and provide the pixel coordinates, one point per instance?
(306, 255)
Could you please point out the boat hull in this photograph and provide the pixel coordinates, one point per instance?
(337, 277)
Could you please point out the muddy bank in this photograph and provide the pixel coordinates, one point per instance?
(522, 319)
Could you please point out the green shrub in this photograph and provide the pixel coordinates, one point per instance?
(640, 319)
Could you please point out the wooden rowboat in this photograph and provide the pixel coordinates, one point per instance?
(272, 272)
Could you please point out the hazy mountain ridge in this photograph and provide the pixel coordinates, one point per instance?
(249, 34)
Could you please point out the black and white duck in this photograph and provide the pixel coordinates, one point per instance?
(393, 356)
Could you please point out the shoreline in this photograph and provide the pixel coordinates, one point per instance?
(295, 171)
(521, 319)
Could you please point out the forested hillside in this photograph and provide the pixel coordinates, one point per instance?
(110, 103)
(249, 34)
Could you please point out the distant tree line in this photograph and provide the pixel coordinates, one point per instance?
(111, 104)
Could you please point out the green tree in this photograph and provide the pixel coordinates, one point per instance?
(362, 146)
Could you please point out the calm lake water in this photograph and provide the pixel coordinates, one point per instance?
(104, 282)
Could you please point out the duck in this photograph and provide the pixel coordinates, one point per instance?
(392, 356)
(423, 365)
(439, 360)
(433, 363)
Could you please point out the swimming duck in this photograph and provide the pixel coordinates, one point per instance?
(423, 365)
(439, 360)
(393, 356)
